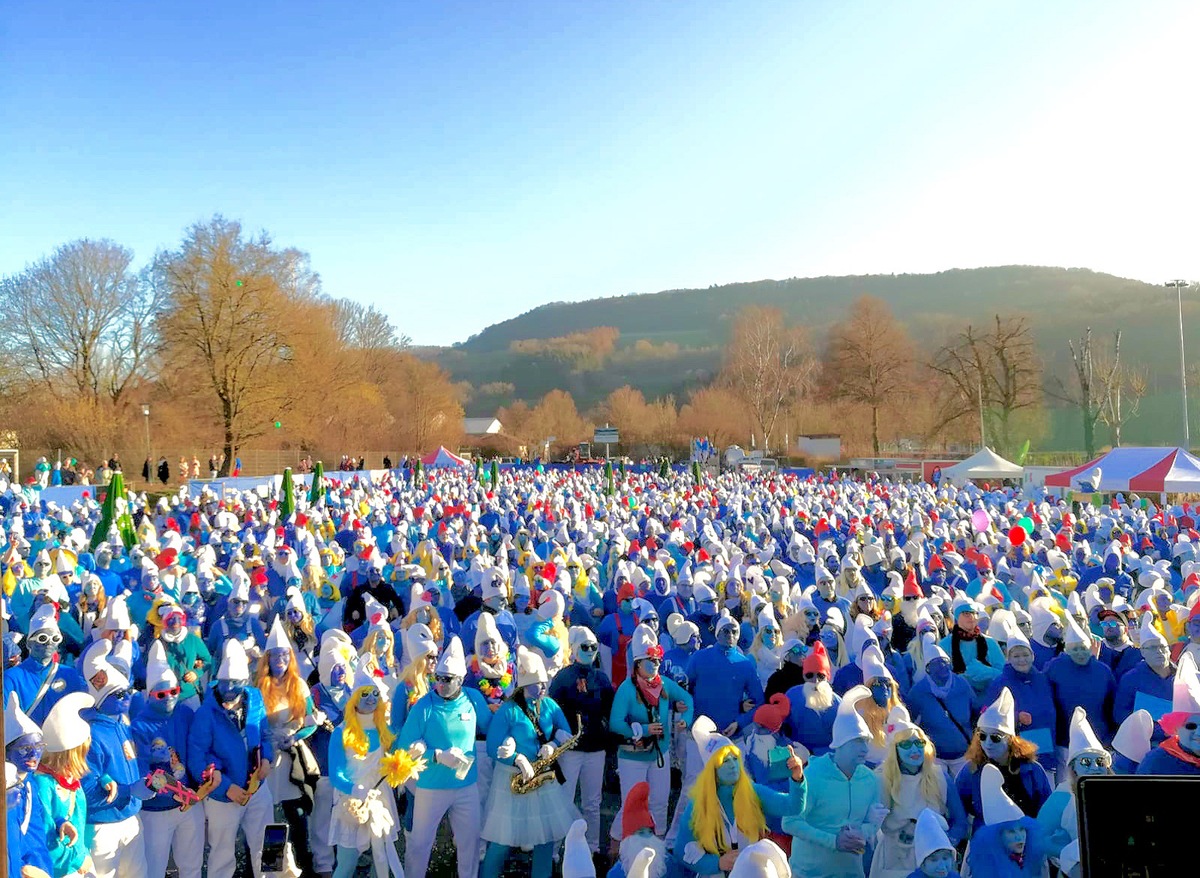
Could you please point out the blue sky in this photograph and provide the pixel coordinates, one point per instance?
(458, 163)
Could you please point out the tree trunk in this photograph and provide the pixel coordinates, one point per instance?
(1089, 434)
(227, 420)
(875, 429)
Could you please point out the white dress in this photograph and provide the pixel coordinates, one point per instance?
(282, 789)
(895, 856)
(344, 830)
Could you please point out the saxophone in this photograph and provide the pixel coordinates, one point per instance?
(543, 769)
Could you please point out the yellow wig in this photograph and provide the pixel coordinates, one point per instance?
(933, 778)
(708, 825)
(354, 738)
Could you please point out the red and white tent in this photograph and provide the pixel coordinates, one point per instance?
(444, 457)
(1148, 470)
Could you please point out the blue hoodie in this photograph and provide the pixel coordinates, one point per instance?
(721, 677)
(111, 757)
(441, 725)
(988, 857)
(1091, 687)
(215, 739)
(147, 727)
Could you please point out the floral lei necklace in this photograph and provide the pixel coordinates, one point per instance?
(492, 688)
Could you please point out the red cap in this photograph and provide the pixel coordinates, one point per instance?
(935, 563)
(772, 714)
(625, 592)
(911, 589)
(636, 813)
(817, 661)
(983, 562)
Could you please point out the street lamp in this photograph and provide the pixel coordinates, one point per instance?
(1179, 285)
(146, 415)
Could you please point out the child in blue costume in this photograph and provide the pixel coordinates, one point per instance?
(1009, 844)
(23, 751)
(932, 848)
(726, 813)
(58, 788)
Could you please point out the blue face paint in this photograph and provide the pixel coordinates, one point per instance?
(727, 636)
(116, 703)
(1189, 739)
(534, 692)
(1013, 838)
(337, 677)
(278, 661)
(729, 771)
(626, 606)
(26, 752)
(939, 864)
(939, 671)
(44, 645)
(230, 690)
(368, 701)
(880, 693)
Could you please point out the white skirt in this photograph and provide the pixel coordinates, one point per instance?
(538, 817)
(345, 831)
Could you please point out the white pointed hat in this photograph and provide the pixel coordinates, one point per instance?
(1000, 715)
(931, 650)
(708, 739)
(643, 643)
(277, 638)
(640, 868)
(1185, 695)
(1132, 739)
(94, 658)
(487, 630)
(848, 725)
(530, 668)
(763, 859)
(16, 723)
(900, 720)
(44, 618)
(64, 729)
(1016, 637)
(116, 615)
(336, 649)
(577, 856)
(930, 835)
(997, 806)
(1148, 634)
(418, 642)
(157, 669)
(234, 664)
(1083, 739)
(1073, 634)
(872, 663)
(452, 660)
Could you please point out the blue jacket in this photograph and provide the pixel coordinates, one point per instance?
(948, 739)
(978, 674)
(833, 801)
(111, 757)
(1031, 694)
(60, 806)
(1120, 661)
(215, 739)
(249, 632)
(510, 721)
(148, 729)
(989, 859)
(26, 679)
(27, 830)
(1043, 655)
(443, 724)
(627, 708)
(1091, 687)
(1033, 780)
(318, 741)
(824, 606)
(707, 626)
(1141, 679)
(813, 730)
(1159, 761)
(341, 777)
(720, 680)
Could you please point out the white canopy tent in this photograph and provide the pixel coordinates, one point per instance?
(983, 464)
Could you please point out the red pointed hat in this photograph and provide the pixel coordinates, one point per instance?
(911, 589)
(817, 661)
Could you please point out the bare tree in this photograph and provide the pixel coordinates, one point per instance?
(991, 373)
(869, 361)
(769, 365)
(1088, 392)
(80, 323)
(1122, 388)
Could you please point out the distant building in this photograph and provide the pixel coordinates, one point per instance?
(481, 426)
(824, 446)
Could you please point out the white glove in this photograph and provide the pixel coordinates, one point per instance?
(452, 758)
(416, 749)
(562, 736)
(638, 731)
(523, 766)
(545, 750)
(692, 853)
(877, 813)
(506, 749)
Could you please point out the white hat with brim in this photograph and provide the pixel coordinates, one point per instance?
(1082, 738)
(1133, 738)
(234, 664)
(929, 837)
(16, 722)
(997, 806)
(1000, 715)
(848, 725)
(158, 671)
(763, 859)
(708, 739)
(577, 857)
(452, 661)
(530, 668)
(64, 729)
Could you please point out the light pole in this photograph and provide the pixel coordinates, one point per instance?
(1179, 285)
(146, 415)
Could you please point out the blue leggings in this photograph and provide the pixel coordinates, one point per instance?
(493, 860)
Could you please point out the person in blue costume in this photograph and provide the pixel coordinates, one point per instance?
(1079, 679)
(683, 644)
(1037, 713)
(813, 704)
(1047, 639)
(726, 812)
(364, 814)
(58, 788)
(1008, 843)
(1131, 743)
(585, 694)
(972, 653)
(238, 624)
(109, 578)
(232, 733)
(942, 704)
(932, 849)
(842, 812)
(826, 597)
(1179, 754)
(706, 615)
(40, 681)
(1086, 757)
(647, 711)
(545, 635)
(1116, 651)
(997, 744)
(495, 604)
(114, 787)
(730, 689)
(442, 726)
(615, 633)
(526, 728)
(335, 670)
(1154, 677)
(160, 733)
(23, 750)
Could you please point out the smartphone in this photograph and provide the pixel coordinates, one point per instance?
(274, 847)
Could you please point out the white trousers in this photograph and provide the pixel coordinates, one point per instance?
(585, 771)
(632, 772)
(318, 827)
(429, 807)
(484, 768)
(118, 850)
(224, 819)
(178, 832)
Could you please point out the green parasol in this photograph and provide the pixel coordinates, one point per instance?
(287, 499)
(114, 512)
(317, 492)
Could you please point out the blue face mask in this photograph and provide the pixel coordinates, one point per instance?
(880, 693)
(626, 606)
(939, 671)
(337, 677)
(729, 771)
(26, 752)
(116, 704)
(44, 645)
(1013, 839)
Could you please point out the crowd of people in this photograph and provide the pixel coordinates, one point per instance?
(830, 676)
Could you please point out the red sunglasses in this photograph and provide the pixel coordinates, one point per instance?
(164, 694)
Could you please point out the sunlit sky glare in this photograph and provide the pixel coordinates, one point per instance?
(458, 163)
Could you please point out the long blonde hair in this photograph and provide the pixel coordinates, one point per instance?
(354, 738)
(68, 764)
(434, 623)
(708, 823)
(371, 657)
(295, 692)
(933, 779)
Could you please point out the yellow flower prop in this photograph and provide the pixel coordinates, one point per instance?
(399, 767)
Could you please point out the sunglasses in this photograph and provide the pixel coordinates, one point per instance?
(587, 647)
(444, 679)
(994, 737)
(43, 637)
(28, 751)
(1191, 727)
(1098, 761)
(370, 693)
(911, 743)
(122, 694)
(817, 677)
(910, 598)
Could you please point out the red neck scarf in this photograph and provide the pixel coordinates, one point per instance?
(1172, 746)
(62, 781)
(651, 689)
